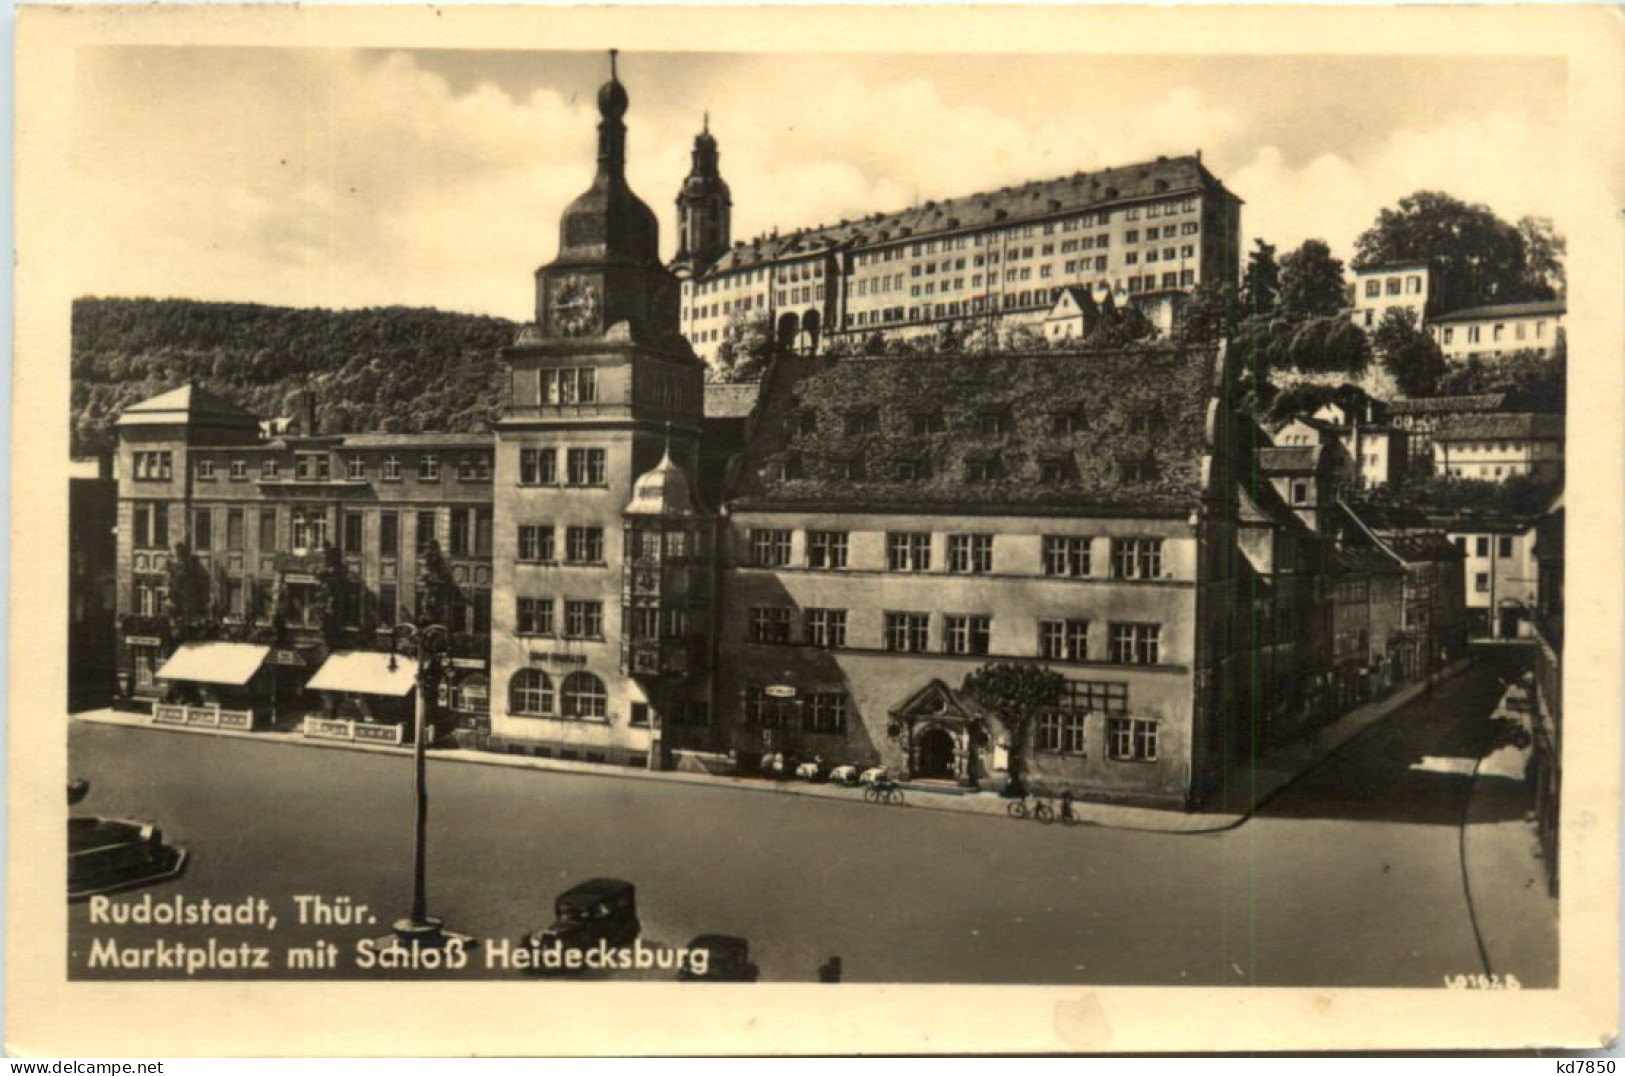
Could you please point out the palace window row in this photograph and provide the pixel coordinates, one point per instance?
(1128, 739)
(1066, 639)
(1063, 556)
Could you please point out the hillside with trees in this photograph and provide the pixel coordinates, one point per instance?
(392, 369)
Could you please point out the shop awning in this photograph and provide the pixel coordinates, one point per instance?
(365, 672)
(232, 664)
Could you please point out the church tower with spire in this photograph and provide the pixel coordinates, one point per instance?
(704, 208)
(602, 390)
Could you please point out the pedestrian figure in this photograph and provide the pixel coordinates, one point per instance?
(1066, 803)
(830, 970)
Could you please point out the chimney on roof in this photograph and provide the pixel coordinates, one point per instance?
(308, 408)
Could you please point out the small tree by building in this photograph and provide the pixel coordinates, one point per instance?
(334, 595)
(1408, 354)
(1017, 694)
(188, 592)
(747, 348)
(1312, 283)
(439, 597)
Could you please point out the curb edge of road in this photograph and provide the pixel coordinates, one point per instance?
(923, 800)
(1220, 823)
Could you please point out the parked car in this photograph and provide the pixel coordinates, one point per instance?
(106, 855)
(603, 909)
(844, 775)
(874, 774)
(727, 961)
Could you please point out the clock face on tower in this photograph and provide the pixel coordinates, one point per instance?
(575, 306)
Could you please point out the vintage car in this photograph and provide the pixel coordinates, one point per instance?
(728, 961)
(106, 855)
(874, 775)
(603, 909)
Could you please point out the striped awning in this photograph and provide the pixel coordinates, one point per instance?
(231, 664)
(365, 672)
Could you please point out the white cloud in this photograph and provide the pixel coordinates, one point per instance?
(348, 179)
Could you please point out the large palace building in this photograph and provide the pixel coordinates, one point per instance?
(626, 580)
(1146, 234)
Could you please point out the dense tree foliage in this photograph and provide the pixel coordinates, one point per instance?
(1261, 283)
(748, 346)
(1312, 283)
(391, 369)
(1208, 316)
(1533, 380)
(1408, 353)
(1519, 495)
(1330, 344)
(1475, 258)
(1017, 694)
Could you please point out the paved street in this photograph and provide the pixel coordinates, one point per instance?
(1351, 877)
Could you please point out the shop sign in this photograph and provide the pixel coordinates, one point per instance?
(472, 663)
(300, 577)
(779, 691)
(143, 640)
(290, 657)
(560, 659)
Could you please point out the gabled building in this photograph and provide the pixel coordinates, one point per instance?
(1433, 620)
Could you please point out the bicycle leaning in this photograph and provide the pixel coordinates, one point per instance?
(884, 791)
(1042, 812)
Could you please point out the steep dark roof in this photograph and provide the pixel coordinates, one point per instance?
(1506, 426)
(1164, 177)
(1137, 418)
(1290, 459)
(1505, 310)
(1444, 405)
(189, 403)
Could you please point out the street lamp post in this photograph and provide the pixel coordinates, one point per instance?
(432, 640)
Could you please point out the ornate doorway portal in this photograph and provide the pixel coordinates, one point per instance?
(936, 755)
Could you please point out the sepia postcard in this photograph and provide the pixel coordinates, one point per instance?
(682, 530)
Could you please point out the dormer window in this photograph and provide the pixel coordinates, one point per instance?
(1065, 423)
(783, 469)
(993, 422)
(926, 422)
(913, 470)
(1139, 470)
(1145, 420)
(982, 469)
(1054, 470)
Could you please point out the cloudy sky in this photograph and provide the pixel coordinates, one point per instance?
(314, 177)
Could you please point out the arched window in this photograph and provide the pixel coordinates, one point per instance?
(584, 696)
(530, 692)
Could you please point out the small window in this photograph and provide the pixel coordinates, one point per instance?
(860, 422)
(357, 468)
(239, 470)
(926, 422)
(205, 470)
(913, 470)
(392, 469)
(982, 469)
(429, 467)
(1054, 470)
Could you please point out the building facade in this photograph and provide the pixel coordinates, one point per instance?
(1495, 447)
(1395, 286)
(1145, 234)
(1489, 332)
(1501, 574)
